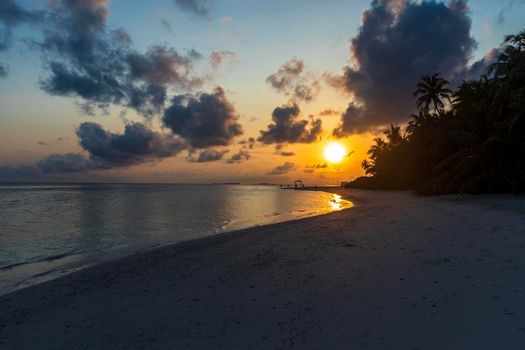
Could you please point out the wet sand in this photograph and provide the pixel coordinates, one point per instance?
(393, 272)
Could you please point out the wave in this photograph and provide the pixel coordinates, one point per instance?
(39, 259)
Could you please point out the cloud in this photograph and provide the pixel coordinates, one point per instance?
(11, 15)
(476, 69)
(509, 6)
(286, 127)
(83, 58)
(209, 156)
(162, 66)
(204, 120)
(293, 81)
(238, 157)
(247, 143)
(309, 169)
(287, 154)
(166, 25)
(279, 151)
(397, 43)
(286, 168)
(138, 144)
(53, 164)
(195, 7)
(63, 163)
(218, 57)
(329, 112)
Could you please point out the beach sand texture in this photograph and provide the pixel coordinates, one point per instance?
(394, 272)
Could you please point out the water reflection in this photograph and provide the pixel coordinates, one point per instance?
(41, 223)
(337, 202)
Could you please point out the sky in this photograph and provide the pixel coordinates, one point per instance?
(206, 91)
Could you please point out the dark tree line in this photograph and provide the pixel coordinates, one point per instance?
(471, 140)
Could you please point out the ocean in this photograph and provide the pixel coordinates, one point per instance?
(52, 229)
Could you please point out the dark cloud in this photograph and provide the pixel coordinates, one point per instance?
(286, 127)
(286, 168)
(397, 43)
(53, 164)
(309, 169)
(196, 7)
(138, 144)
(18, 171)
(477, 69)
(316, 167)
(248, 143)
(286, 154)
(163, 65)
(279, 150)
(86, 59)
(242, 155)
(209, 156)
(63, 163)
(218, 57)
(205, 120)
(293, 81)
(11, 15)
(328, 112)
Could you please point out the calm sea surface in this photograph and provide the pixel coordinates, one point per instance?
(49, 230)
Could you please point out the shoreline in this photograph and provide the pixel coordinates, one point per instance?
(26, 274)
(345, 278)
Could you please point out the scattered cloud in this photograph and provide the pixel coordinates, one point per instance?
(209, 156)
(248, 143)
(397, 43)
(329, 112)
(204, 120)
(286, 127)
(239, 157)
(195, 7)
(83, 58)
(508, 7)
(11, 15)
(138, 144)
(286, 168)
(279, 150)
(53, 164)
(167, 25)
(286, 154)
(217, 58)
(292, 80)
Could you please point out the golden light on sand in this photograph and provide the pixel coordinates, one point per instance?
(334, 152)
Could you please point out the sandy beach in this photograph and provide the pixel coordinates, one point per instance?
(394, 272)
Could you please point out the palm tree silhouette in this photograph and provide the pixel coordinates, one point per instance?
(432, 90)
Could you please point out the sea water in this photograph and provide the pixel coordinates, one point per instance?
(48, 230)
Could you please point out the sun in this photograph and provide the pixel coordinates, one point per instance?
(334, 152)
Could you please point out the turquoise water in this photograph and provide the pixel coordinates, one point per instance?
(48, 230)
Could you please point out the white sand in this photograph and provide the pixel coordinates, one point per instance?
(394, 272)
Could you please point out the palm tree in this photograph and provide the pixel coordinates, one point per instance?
(432, 90)
(509, 57)
(394, 136)
(416, 122)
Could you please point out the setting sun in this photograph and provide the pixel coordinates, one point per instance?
(334, 152)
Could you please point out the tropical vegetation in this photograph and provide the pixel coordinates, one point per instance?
(471, 140)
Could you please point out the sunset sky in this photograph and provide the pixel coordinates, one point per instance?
(221, 91)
